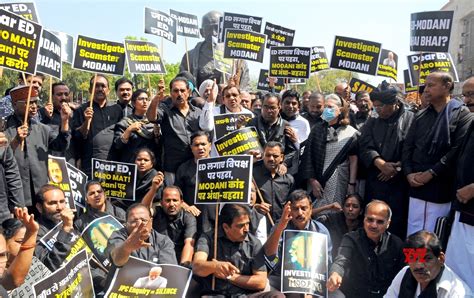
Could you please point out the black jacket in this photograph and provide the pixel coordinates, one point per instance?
(11, 189)
(368, 269)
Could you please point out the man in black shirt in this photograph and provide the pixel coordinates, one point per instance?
(95, 140)
(124, 90)
(315, 108)
(429, 152)
(273, 185)
(239, 266)
(178, 120)
(180, 226)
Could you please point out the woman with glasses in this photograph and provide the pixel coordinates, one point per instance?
(135, 131)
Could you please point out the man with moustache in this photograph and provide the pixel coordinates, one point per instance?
(171, 220)
(427, 275)
(95, 140)
(38, 140)
(315, 109)
(6, 104)
(369, 257)
(124, 90)
(239, 267)
(178, 120)
(290, 111)
(364, 106)
(296, 216)
(51, 205)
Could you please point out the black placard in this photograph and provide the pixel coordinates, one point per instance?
(356, 55)
(430, 31)
(290, 62)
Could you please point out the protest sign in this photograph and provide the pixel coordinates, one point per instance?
(430, 31)
(67, 46)
(319, 59)
(223, 179)
(19, 42)
(408, 86)
(77, 180)
(188, 24)
(388, 64)
(132, 280)
(429, 62)
(296, 81)
(26, 10)
(96, 235)
(97, 55)
(290, 62)
(264, 80)
(305, 263)
(72, 280)
(49, 56)
(241, 44)
(278, 36)
(117, 179)
(222, 64)
(143, 57)
(359, 85)
(160, 24)
(238, 142)
(58, 176)
(50, 238)
(226, 123)
(356, 55)
(239, 21)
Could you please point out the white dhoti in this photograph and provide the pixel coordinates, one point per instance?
(460, 251)
(422, 215)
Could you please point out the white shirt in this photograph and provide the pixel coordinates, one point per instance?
(449, 285)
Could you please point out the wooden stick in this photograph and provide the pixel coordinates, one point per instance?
(317, 82)
(260, 196)
(1, 71)
(186, 51)
(50, 101)
(419, 76)
(149, 84)
(216, 225)
(91, 101)
(27, 108)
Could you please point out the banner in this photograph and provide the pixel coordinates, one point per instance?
(143, 57)
(356, 55)
(408, 86)
(67, 46)
(429, 62)
(226, 123)
(278, 36)
(117, 179)
(19, 42)
(305, 263)
(160, 24)
(430, 31)
(238, 142)
(97, 55)
(188, 24)
(72, 280)
(49, 57)
(359, 85)
(239, 21)
(388, 64)
(96, 235)
(264, 80)
(26, 10)
(319, 59)
(77, 180)
(140, 278)
(222, 64)
(58, 176)
(241, 44)
(224, 179)
(290, 62)
(50, 238)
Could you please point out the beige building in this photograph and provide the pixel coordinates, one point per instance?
(461, 45)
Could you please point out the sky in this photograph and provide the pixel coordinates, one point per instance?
(316, 22)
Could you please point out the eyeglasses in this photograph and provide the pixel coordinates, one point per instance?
(270, 108)
(469, 94)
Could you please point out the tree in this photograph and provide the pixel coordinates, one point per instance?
(328, 79)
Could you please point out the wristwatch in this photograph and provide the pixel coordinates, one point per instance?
(432, 172)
